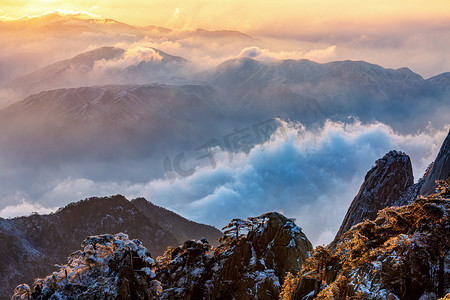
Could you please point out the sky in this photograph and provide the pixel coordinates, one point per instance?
(395, 34)
(250, 16)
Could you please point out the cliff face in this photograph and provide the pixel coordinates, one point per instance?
(439, 171)
(33, 244)
(383, 186)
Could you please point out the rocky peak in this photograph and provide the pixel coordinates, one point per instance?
(251, 261)
(440, 169)
(383, 186)
(403, 254)
(280, 238)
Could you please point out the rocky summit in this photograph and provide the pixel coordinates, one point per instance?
(244, 266)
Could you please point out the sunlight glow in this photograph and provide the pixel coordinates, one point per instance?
(235, 14)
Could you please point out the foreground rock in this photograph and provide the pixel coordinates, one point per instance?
(108, 267)
(251, 262)
(403, 254)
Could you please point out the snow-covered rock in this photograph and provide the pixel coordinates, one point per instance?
(402, 254)
(33, 244)
(247, 266)
(108, 267)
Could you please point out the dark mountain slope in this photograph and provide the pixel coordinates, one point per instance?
(180, 227)
(104, 121)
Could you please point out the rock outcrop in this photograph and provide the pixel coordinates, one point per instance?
(257, 265)
(383, 186)
(33, 244)
(248, 266)
(403, 254)
(440, 169)
(108, 267)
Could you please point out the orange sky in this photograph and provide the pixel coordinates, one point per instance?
(249, 16)
(392, 33)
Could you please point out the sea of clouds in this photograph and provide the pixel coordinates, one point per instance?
(308, 174)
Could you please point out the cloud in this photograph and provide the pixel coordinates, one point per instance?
(319, 55)
(25, 208)
(255, 53)
(8, 97)
(132, 56)
(62, 12)
(312, 176)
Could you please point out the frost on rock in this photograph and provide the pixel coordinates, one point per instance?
(250, 262)
(108, 267)
(402, 254)
(22, 292)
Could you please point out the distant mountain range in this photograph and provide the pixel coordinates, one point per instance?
(106, 65)
(95, 121)
(32, 43)
(37, 242)
(297, 89)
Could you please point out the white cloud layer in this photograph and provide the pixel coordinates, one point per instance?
(131, 57)
(313, 176)
(24, 208)
(319, 55)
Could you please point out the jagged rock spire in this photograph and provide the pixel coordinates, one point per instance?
(383, 185)
(439, 171)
